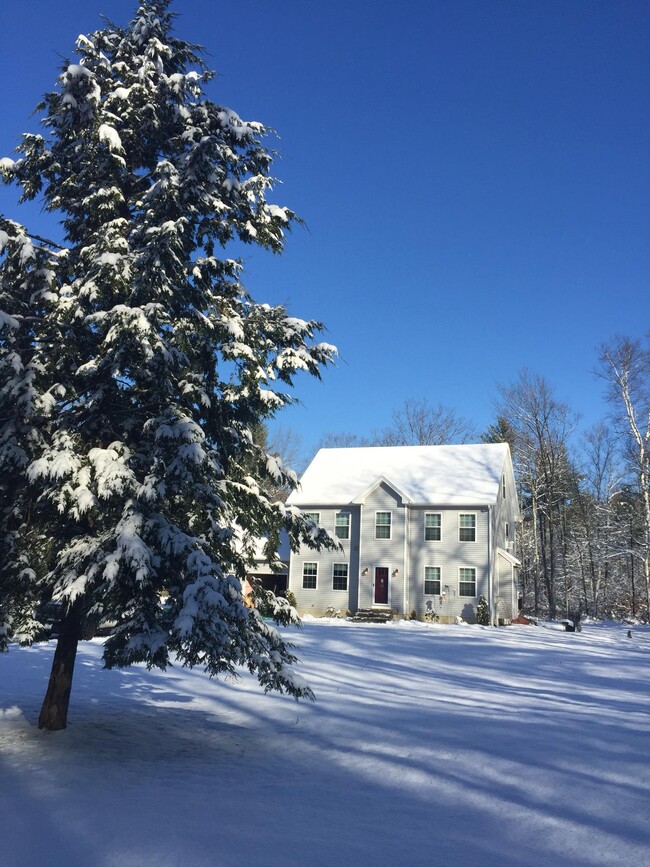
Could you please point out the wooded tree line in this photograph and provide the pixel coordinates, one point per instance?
(584, 539)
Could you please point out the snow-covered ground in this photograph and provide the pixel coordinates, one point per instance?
(427, 745)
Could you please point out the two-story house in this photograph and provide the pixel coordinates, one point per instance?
(420, 528)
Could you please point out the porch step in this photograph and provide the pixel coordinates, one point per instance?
(372, 615)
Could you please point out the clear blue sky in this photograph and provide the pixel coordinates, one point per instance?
(473, 174)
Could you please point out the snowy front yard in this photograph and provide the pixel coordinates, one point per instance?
(427, 745)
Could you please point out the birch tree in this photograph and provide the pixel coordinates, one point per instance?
(625, 365)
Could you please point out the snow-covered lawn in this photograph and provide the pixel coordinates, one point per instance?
(427, 745)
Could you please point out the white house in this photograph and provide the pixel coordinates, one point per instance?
(420, 528)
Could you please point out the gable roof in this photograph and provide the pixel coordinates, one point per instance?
(437, 475)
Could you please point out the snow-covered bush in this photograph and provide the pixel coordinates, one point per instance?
(482, 612)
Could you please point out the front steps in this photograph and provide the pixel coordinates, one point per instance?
(372, 615)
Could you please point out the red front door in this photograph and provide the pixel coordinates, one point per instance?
(381, 585)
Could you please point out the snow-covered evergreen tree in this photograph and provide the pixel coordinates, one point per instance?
(134, 367)
(482, 612)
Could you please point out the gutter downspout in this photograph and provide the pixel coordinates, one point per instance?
(360, 549)
(490, 568)
(405, 562)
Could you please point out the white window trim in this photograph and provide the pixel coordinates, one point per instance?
(390, 525)
(349, 525)
(347, 578)
(429, 512)
(461, 581)
(424, 579)
(467, 541)
(302, 575)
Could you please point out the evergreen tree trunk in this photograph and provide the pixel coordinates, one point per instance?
(54, 712)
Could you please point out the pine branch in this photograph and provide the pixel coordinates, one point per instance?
(44, 241)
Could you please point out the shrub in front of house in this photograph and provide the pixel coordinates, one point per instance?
(482, 612)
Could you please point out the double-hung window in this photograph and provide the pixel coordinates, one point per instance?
(340, 576)
(309, 576)
(432, 580)
(342, 525)
(467, 581)
(382, 525)
(432, 526)
(467, 527)
(312, 516)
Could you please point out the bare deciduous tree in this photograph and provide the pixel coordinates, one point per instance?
(595, 527)
(541, 425)
(625, 365)
(344, 440)
(419, 423)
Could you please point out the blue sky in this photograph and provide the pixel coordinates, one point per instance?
(473, 175)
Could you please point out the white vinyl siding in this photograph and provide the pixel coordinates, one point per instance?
(309, 576)
(316, 600)
(433, 526)
(386, 549)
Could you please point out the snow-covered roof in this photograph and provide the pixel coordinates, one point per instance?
(284, 551)
(440, 475)
(259, 559)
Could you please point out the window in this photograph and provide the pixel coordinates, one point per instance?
(503, 487)
(467, 528)
(432, 580)
(309, 575)
(432, 526)
(342, 525)
(467, 582)
(312, 516)
(382, 525)
(507, 530)
(340, 576)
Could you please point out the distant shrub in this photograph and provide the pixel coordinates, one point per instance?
(431, 615)
(291, 598)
